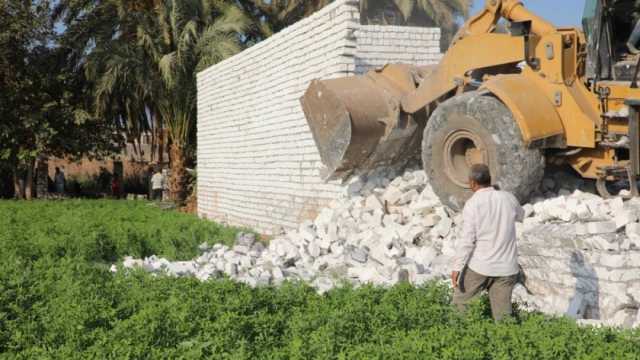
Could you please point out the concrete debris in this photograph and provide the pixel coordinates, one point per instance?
(624, 217)
(602, 227)
(359, 255)
(386, 228)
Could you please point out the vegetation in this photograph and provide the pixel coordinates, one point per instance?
(42, 99)
(81, 78)
(58, 299)
(143, 65)
(79, 228)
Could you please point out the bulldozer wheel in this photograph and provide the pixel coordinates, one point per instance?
(474, 128)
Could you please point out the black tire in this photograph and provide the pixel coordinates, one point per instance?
(462, 125)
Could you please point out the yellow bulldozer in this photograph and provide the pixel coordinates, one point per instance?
(513, 91)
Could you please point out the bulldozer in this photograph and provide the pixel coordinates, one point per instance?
(513, 91)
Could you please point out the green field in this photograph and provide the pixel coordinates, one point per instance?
(59, 300)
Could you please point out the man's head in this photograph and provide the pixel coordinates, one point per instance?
(479, 177)
(57, 169)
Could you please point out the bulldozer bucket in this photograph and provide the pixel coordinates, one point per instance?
(357, 122)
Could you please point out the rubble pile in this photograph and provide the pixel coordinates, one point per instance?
(581, 256)
(387, 228)
(381, 231)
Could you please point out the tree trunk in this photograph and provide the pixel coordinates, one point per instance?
(28, 186)
(154, 140)
(18, 184)
(160, 144)
(178, 176)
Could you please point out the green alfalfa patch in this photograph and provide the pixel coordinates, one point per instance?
(58, 299)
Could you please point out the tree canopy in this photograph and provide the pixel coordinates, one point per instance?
(42, 100)
(142, 64)
(117, 69)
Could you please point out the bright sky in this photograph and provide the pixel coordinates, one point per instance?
(558, 12)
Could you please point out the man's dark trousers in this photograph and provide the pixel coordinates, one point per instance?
(499, 287)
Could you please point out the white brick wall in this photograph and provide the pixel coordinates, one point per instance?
(257, 161)
(379, 45)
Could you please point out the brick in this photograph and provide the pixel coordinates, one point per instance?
(601, 227)
(625, 217)
(392, 195)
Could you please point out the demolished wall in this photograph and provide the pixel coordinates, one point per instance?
(257, 161)
(585, 267)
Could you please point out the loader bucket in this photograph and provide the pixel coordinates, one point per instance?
(357, 123)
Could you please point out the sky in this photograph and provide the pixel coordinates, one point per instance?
(558, 12)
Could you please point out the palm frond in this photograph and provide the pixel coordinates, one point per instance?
(146, 41)
(406, 7)
(166, 67)
(148, 61)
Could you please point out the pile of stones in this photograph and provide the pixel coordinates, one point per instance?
(581, 256)
(387, 228)
(380, 231)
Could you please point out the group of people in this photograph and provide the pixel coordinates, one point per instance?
(157, 183)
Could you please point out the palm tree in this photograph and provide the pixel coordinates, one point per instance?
(143, 60)
(125, 87)
(100, 39)
(187, 36)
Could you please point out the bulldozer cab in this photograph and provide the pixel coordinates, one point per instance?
(608, 25)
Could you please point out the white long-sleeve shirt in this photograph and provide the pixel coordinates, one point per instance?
(157, 181)
(488, 242)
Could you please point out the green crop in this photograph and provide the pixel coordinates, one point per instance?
(103, 230)
(59, 300)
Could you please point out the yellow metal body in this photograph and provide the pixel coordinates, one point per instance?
(467, 54)
(538, 119)
(538, 72)
(551, 102)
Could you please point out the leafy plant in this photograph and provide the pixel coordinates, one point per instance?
(102, 230)
(58, 299)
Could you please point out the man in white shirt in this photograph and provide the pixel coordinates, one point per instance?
(157, 185)
(487, 253)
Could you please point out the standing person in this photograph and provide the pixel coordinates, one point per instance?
(115, 186)
(148, 173)
(487, 253)
(59, 180)
(157, 184)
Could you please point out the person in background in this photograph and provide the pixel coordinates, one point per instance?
(486, 253)
(157, 184)
(59, 181)
(148, 173)
(115, 186)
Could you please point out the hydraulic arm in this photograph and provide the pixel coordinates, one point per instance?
(364, 122)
